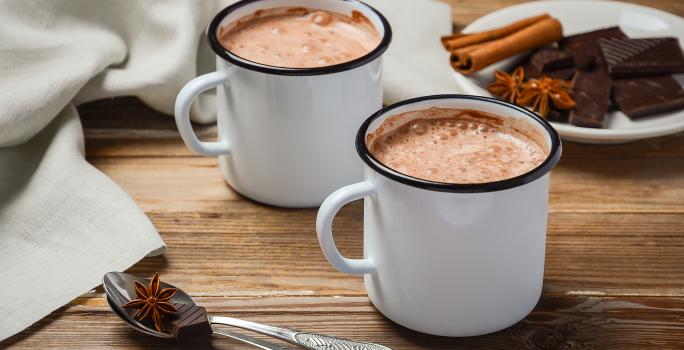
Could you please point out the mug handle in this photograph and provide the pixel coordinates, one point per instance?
(324, 221)
(186, 96)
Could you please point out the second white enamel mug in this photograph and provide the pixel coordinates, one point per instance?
(285, 135)
(448, 259)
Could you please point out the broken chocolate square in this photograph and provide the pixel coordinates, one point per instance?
(638, 97)
(531, 71)
(558, 115)
(584, 47)
(625, 57)
(592, 94)
(564, 74)
(189, 322)
(550, 59)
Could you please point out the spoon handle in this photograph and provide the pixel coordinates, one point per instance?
(261, 344)
(311, 341)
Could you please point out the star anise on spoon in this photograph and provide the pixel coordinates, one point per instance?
(507, 86)
(152, 301)
(541, 93)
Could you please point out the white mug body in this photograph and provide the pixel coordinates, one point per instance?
(286, 134)
(447, 259)
(455, 264)
(291, 137)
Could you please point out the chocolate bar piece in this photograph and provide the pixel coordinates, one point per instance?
(584, 47)
(639, 97)
(531, 71)
(592, 94)
(189, 322)
(625, 57)
(549, 59)
(558, 115)
(564, 74)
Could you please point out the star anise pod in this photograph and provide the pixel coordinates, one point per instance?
(541, 93)
(507, 85)
(152, 301)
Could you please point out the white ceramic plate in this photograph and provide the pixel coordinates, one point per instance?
(582, 16)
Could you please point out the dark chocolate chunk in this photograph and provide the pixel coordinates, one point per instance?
(592, 94)
(564, 74)
(612, 106)
(641, 57)
(584, 47)
(549, 59)
(558, 115)
(189, 322)
(531, 71)
(638, 97)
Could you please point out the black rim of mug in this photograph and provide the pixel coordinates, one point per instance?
(534, 174)
(212, 30)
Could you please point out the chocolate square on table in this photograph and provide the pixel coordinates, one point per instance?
(592, 95)
(626, 57)
(638, 97)
(584, 47)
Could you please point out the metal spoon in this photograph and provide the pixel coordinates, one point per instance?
(119, 289)
(135, 324)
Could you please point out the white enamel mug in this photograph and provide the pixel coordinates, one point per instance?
(448, 259)
(285, 134)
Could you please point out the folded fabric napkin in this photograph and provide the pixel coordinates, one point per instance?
(63, 224)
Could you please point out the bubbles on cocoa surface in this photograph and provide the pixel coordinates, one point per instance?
(323, 61)
(321, 18)
(455, 151)
(419, 127)
(494, 149)
(325, 33)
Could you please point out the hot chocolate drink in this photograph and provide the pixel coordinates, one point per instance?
(298, 37)
(457, 146)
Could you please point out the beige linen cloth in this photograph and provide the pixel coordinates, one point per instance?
(63, 224)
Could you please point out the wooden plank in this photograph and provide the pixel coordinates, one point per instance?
(620, 184)
(557, 322)
(224, 254)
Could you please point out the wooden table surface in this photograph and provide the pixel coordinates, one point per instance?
(614, 261)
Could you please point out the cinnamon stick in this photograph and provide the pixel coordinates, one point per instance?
(457, 54)
(460, 40)
(541, 33)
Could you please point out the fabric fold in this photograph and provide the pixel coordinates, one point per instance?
(63, 225)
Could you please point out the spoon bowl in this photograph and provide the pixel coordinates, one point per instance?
(120, 289)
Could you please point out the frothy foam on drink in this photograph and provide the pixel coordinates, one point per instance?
(457, 146)
(299, 37)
